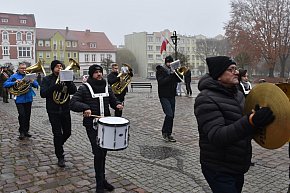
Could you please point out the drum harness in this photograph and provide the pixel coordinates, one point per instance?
(100, 96)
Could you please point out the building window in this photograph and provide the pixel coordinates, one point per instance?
(60, 44)
(18, 36)
(5, 35)
(4, 20)
(54, 44)
(157, 39)
(74, 44)
(150, 56)
(23, 21)
(86, 57)
(102, 57)
(40, 43)
(5, 50)
(69, 55)
(54, 55)
(40, 54)
(93, 45)
(61, 56)
(158, 48)
(47, 43)
(109, 56)
(149, 39)
(47, 54)
(68, 44)
(75, 55)
(158, 57)
(29, 36)
(150, 48)
(93, 57)
(24, 52)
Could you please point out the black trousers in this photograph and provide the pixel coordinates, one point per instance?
(188, 88)
(99, 157)
(118, 113)
(61, 129)
(24, 112)
(5, 94)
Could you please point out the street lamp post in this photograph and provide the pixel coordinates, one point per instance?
(174, 41)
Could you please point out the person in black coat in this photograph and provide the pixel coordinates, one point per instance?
(58, 114)
(167, 82)
(187, 80)
(87, 100)
(113, 78)
(245, 86)
(224, 132)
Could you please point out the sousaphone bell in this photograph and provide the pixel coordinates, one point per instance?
(276, 134)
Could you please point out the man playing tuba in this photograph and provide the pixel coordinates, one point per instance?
(58, 113)
(24, 99)
(115, 77)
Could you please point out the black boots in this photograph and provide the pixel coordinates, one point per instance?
(106, 186)
(61, 162)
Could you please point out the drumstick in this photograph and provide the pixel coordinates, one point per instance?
(96, 116)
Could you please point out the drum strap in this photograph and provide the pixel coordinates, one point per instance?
(100, 96)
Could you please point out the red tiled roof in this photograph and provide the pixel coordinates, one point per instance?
(84, 38)
(14, 19)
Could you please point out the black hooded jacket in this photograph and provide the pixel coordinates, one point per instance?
(224, 132)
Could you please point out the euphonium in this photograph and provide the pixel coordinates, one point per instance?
(23, 86)
(178, 69)
(125, 79)
(60, 97)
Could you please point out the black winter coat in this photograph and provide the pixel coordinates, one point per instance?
(224, 132)
(47, 88)
(82, 100)
(167, 82)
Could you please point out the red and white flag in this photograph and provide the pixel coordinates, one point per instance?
(163, 45)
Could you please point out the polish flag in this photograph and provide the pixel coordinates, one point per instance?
(163, 45)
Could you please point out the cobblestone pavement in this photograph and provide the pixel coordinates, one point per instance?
(148, 164)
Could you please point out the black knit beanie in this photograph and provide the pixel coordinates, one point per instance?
(218, 64)
(54, 63)
(168, 59)
(93, 68)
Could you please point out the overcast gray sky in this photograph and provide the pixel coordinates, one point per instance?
(120, 17)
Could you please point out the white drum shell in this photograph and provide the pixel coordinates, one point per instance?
(113, 133)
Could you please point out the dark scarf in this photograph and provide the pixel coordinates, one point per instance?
(97, 85)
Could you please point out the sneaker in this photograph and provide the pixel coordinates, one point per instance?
(108, 186)
(165, 137)
(171, 139)
(21, 136)
(61, 163)
(27, 135)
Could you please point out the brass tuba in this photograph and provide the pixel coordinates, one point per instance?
(125, 79)
(23, 86)
(60, 97)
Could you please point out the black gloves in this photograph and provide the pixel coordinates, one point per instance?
(262, 116)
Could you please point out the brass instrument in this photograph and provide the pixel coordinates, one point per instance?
(276, 134)
(23, 86)
(60, 97)
(178, 69)
(125, 79)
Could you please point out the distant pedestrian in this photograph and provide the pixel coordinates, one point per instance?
(187, 80)
(245, 86)
(4, 75)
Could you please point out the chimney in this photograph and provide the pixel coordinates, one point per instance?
(88, 31)
(66, 29)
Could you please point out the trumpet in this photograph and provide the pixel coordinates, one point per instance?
(178, 69)
(60, 97)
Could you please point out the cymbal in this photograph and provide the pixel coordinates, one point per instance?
(276, 134)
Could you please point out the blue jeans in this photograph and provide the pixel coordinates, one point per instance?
(220, 182)
(168, 106)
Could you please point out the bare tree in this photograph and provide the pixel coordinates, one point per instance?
(263, 27)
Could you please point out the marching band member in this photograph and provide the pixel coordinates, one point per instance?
(167, 82)
(225, 133)
(58, 114)
(112, 78)
(4, 75)
(23, 101)
(94, 98)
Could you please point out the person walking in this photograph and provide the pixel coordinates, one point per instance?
(94, 98)
(4, 75)
(187, 80)
(23, 100)
(167, 83)
(58, 113)
(225, 133)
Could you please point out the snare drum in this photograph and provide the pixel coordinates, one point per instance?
(113, 133)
